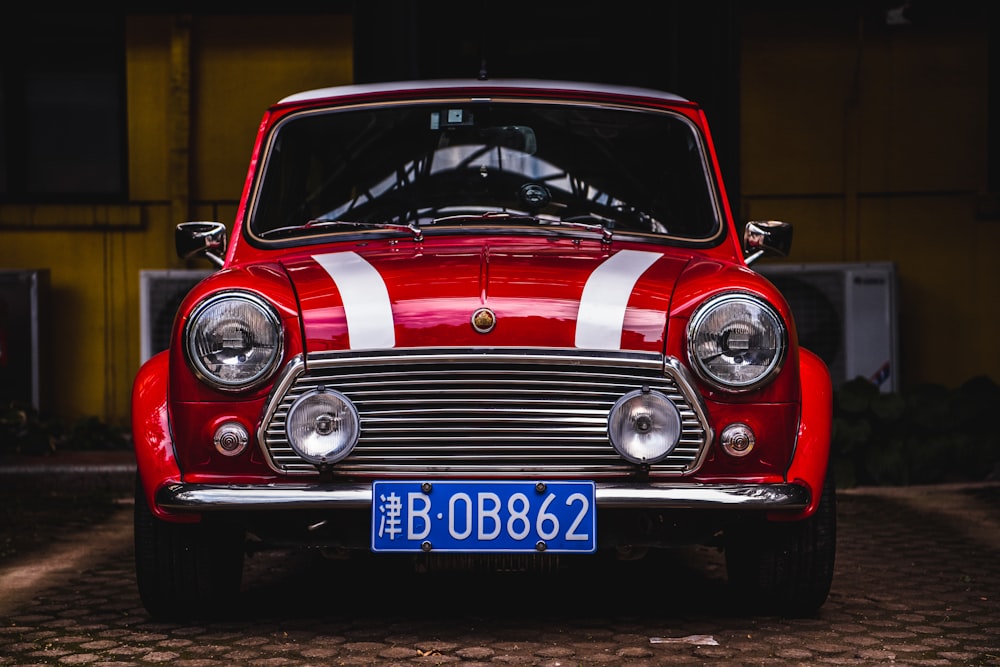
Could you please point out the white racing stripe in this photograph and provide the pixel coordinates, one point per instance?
(601, 318)
(366, 300)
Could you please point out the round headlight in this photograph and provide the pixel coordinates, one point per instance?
(644, 426)
(736, 341)
(233, 340)
(322, 426)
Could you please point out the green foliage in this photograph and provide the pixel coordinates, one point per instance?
(23, 431)
(926, 435)
(91, 433)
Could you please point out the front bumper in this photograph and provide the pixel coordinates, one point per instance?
(235, 497)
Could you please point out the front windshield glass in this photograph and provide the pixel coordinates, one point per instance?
(442, 164)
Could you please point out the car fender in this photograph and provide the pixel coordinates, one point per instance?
(154, 447)
(812, 444)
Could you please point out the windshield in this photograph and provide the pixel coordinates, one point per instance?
(443, 164)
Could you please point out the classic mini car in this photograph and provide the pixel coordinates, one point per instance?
(464, 323)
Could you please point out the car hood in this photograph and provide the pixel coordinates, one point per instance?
(537, 295)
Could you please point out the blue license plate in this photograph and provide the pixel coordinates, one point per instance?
(484, 516)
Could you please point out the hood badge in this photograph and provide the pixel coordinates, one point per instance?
(483, 320)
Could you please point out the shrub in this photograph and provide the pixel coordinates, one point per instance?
(23, 431)
(928, 434)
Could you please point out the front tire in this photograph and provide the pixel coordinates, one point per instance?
(185, 570)
(786, 568)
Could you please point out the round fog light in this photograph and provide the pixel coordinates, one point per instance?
(231, 438)
(322, 426)
(737, 440)
(644, 426)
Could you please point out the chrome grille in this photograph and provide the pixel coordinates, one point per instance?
(479, 412)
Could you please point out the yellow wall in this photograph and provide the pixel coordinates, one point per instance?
(871, 140)
(242, 64)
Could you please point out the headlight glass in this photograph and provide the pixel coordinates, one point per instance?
(736, 341)
(322, 426)
(233, 340)
(644, 426)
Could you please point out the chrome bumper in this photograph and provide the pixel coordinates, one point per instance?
(216, 497)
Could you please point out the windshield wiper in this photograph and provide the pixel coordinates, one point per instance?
(551, 221)
(413, 226)
(605, 229)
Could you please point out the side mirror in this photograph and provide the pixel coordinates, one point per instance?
(205, 239)
(766, 237)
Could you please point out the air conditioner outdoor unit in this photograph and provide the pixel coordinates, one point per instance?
(845, 313)
(160, 294)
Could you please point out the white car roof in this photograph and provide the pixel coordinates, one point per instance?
(466, 84)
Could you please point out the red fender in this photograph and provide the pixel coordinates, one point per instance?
(154, 447)
(812, 444)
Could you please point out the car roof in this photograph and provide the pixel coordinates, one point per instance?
(465, 85)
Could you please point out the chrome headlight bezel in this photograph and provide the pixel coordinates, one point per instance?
(736, 341)
(261, 342)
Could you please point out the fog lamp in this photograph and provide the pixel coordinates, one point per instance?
(322, 426)
(644, 426)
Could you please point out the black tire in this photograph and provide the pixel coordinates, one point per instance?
(185, 570)
(785, 568)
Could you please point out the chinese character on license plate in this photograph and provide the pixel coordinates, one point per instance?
(484, 516)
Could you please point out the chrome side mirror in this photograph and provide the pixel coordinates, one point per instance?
(204, 239)
(766, 237)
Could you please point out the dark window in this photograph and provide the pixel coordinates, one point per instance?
(62, 109)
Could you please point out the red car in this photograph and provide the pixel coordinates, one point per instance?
(459, 323)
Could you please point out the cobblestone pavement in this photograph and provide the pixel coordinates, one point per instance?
(917, 583)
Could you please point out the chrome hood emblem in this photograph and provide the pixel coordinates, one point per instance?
(483, 320)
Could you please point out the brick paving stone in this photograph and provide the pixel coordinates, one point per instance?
(206, 649)
(250, 641)
(320, 653)
(796, 653)
(160, 656)
(280, 647)
(348, 661)
(894, 634)
(400, 652)
(361, 647)
(439, 646)
(513, 659)
(434, 660)
(678, 659)
(593, 647)
(475, 653)
(241, 655)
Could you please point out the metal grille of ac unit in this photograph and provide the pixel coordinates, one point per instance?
(845, 313)
(161, 292)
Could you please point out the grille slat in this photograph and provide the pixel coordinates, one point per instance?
(485, 412)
